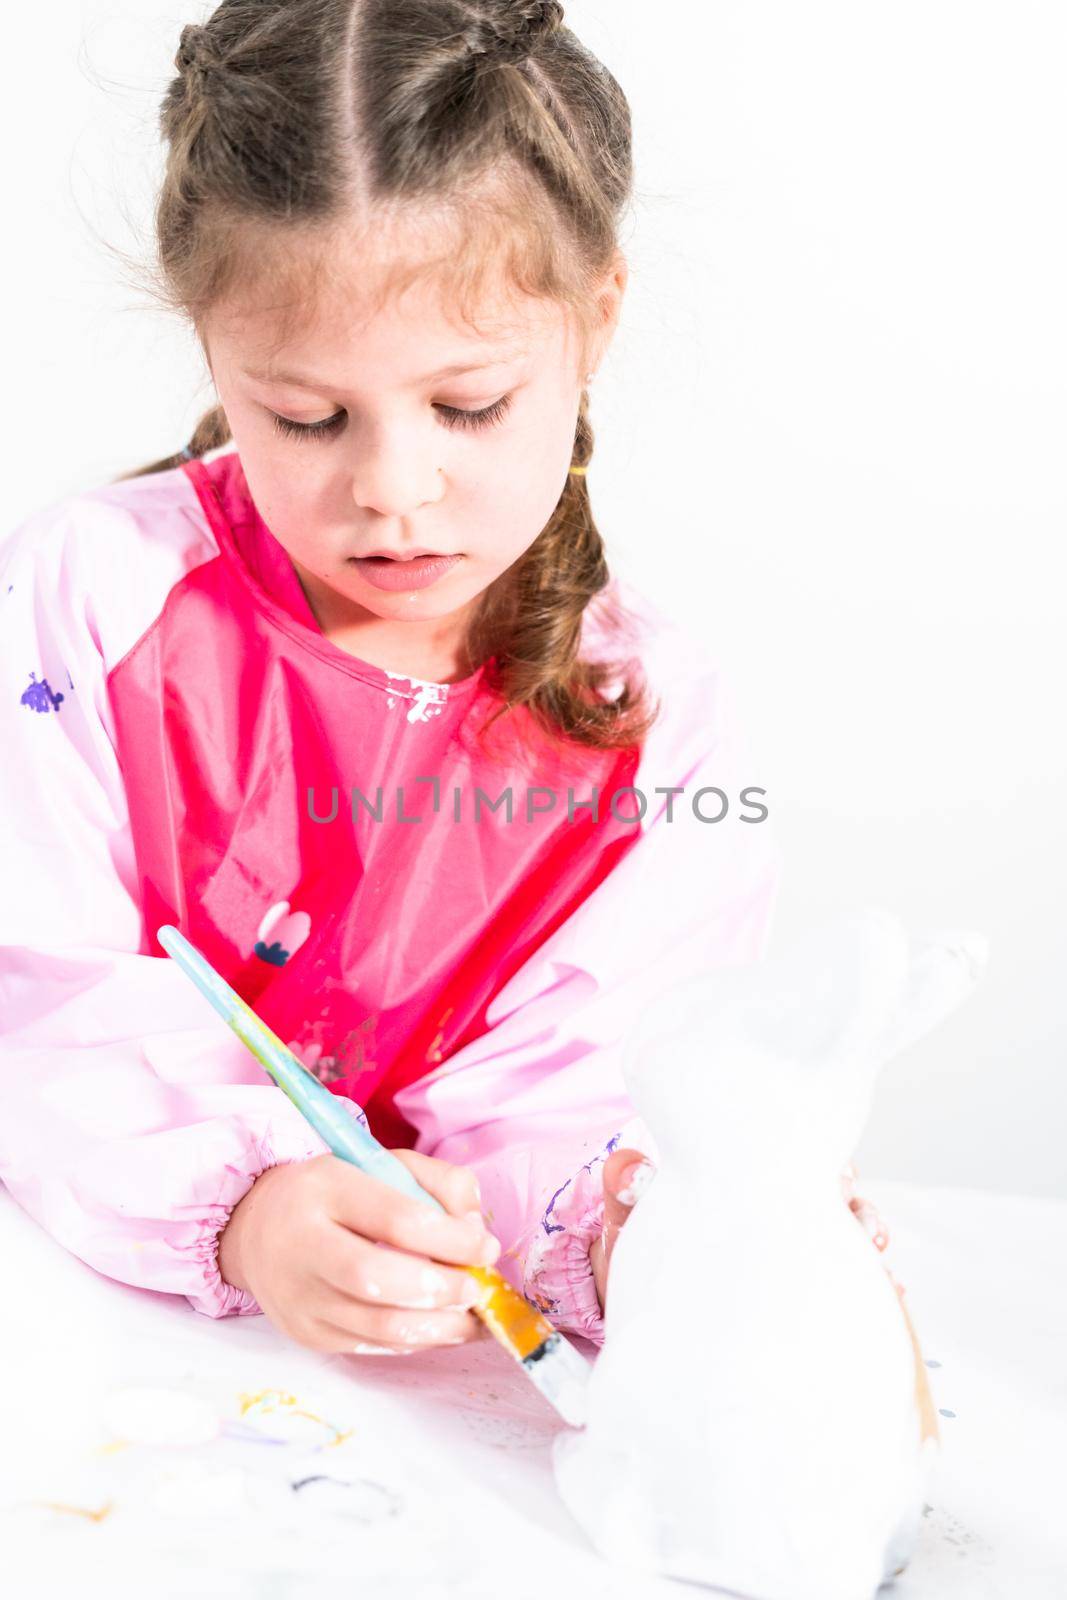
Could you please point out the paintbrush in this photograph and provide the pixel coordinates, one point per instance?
(547, 1358)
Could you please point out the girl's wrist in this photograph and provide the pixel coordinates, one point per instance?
(229, 1253)
(231, 1237)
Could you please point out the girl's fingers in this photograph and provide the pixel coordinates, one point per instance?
(332, 1337)
(600, 1270)
(374, 1210)
(455, 1187)
(367, 1347)
(626, 1174)
(359, 1269)
(866, 1215)
(389, 1325)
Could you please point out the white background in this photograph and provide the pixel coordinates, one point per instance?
(830, 437)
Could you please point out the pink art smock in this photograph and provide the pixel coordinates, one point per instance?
(182, 744)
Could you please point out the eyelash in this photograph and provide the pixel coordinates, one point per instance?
(454, 417)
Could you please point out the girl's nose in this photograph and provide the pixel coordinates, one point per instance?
(396, 480)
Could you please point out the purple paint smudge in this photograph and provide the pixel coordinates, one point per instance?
(40, 696)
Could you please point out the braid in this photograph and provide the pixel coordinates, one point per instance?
(210, 433)
(530, 624)
(515, 32)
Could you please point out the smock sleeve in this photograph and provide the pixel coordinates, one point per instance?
(131, 1120)
(537, 1103)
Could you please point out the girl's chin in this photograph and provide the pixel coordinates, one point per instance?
(399, 603)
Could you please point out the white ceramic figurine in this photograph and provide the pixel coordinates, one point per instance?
(754, 1413)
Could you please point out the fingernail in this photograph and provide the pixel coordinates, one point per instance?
(636, 1180)
(490, 1249)
(476, 1217)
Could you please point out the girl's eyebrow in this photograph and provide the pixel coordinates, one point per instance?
(268, 375)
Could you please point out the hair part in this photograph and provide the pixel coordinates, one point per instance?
(294, 125)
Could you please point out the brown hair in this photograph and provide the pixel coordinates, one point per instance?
(289, 118)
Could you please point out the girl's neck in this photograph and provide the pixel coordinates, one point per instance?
(432, 651)
(400, 652)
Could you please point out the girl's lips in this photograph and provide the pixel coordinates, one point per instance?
(419, 573)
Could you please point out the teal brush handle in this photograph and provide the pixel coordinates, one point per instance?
(346, 1137)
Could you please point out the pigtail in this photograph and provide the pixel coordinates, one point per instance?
(210, 432)
(530, 627)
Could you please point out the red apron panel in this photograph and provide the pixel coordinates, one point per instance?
(280, 821)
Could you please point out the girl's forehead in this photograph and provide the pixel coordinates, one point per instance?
(422, 327)
(422, 278)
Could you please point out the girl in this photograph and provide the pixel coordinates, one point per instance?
(345, 691)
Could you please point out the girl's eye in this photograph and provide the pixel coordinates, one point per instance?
(308, 430)
(452, 416)
(456, 418)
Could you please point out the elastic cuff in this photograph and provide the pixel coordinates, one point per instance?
(216, 1297)
(219, 1298)
(291, 1141)
(558, 1274)
(559, 1279)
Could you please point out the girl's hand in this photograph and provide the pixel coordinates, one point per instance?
(627, 1174)
(341, 1262)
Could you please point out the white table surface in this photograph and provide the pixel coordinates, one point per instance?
(431, 1474)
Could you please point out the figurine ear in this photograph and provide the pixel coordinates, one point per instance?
(946, 967)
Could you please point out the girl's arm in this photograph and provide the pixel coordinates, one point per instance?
(131, 1121)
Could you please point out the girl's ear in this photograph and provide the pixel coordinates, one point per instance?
(620, 274)
(609, 297)
(202, 340)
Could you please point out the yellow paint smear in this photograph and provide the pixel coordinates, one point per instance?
(77, 1511)
(269, 1400)
(274, 1395)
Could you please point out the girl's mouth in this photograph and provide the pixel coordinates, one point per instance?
(385, 573)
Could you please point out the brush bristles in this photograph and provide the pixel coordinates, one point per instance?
(562, 1376)
(551, 1363)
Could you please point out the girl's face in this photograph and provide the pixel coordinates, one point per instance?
(404, 431)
